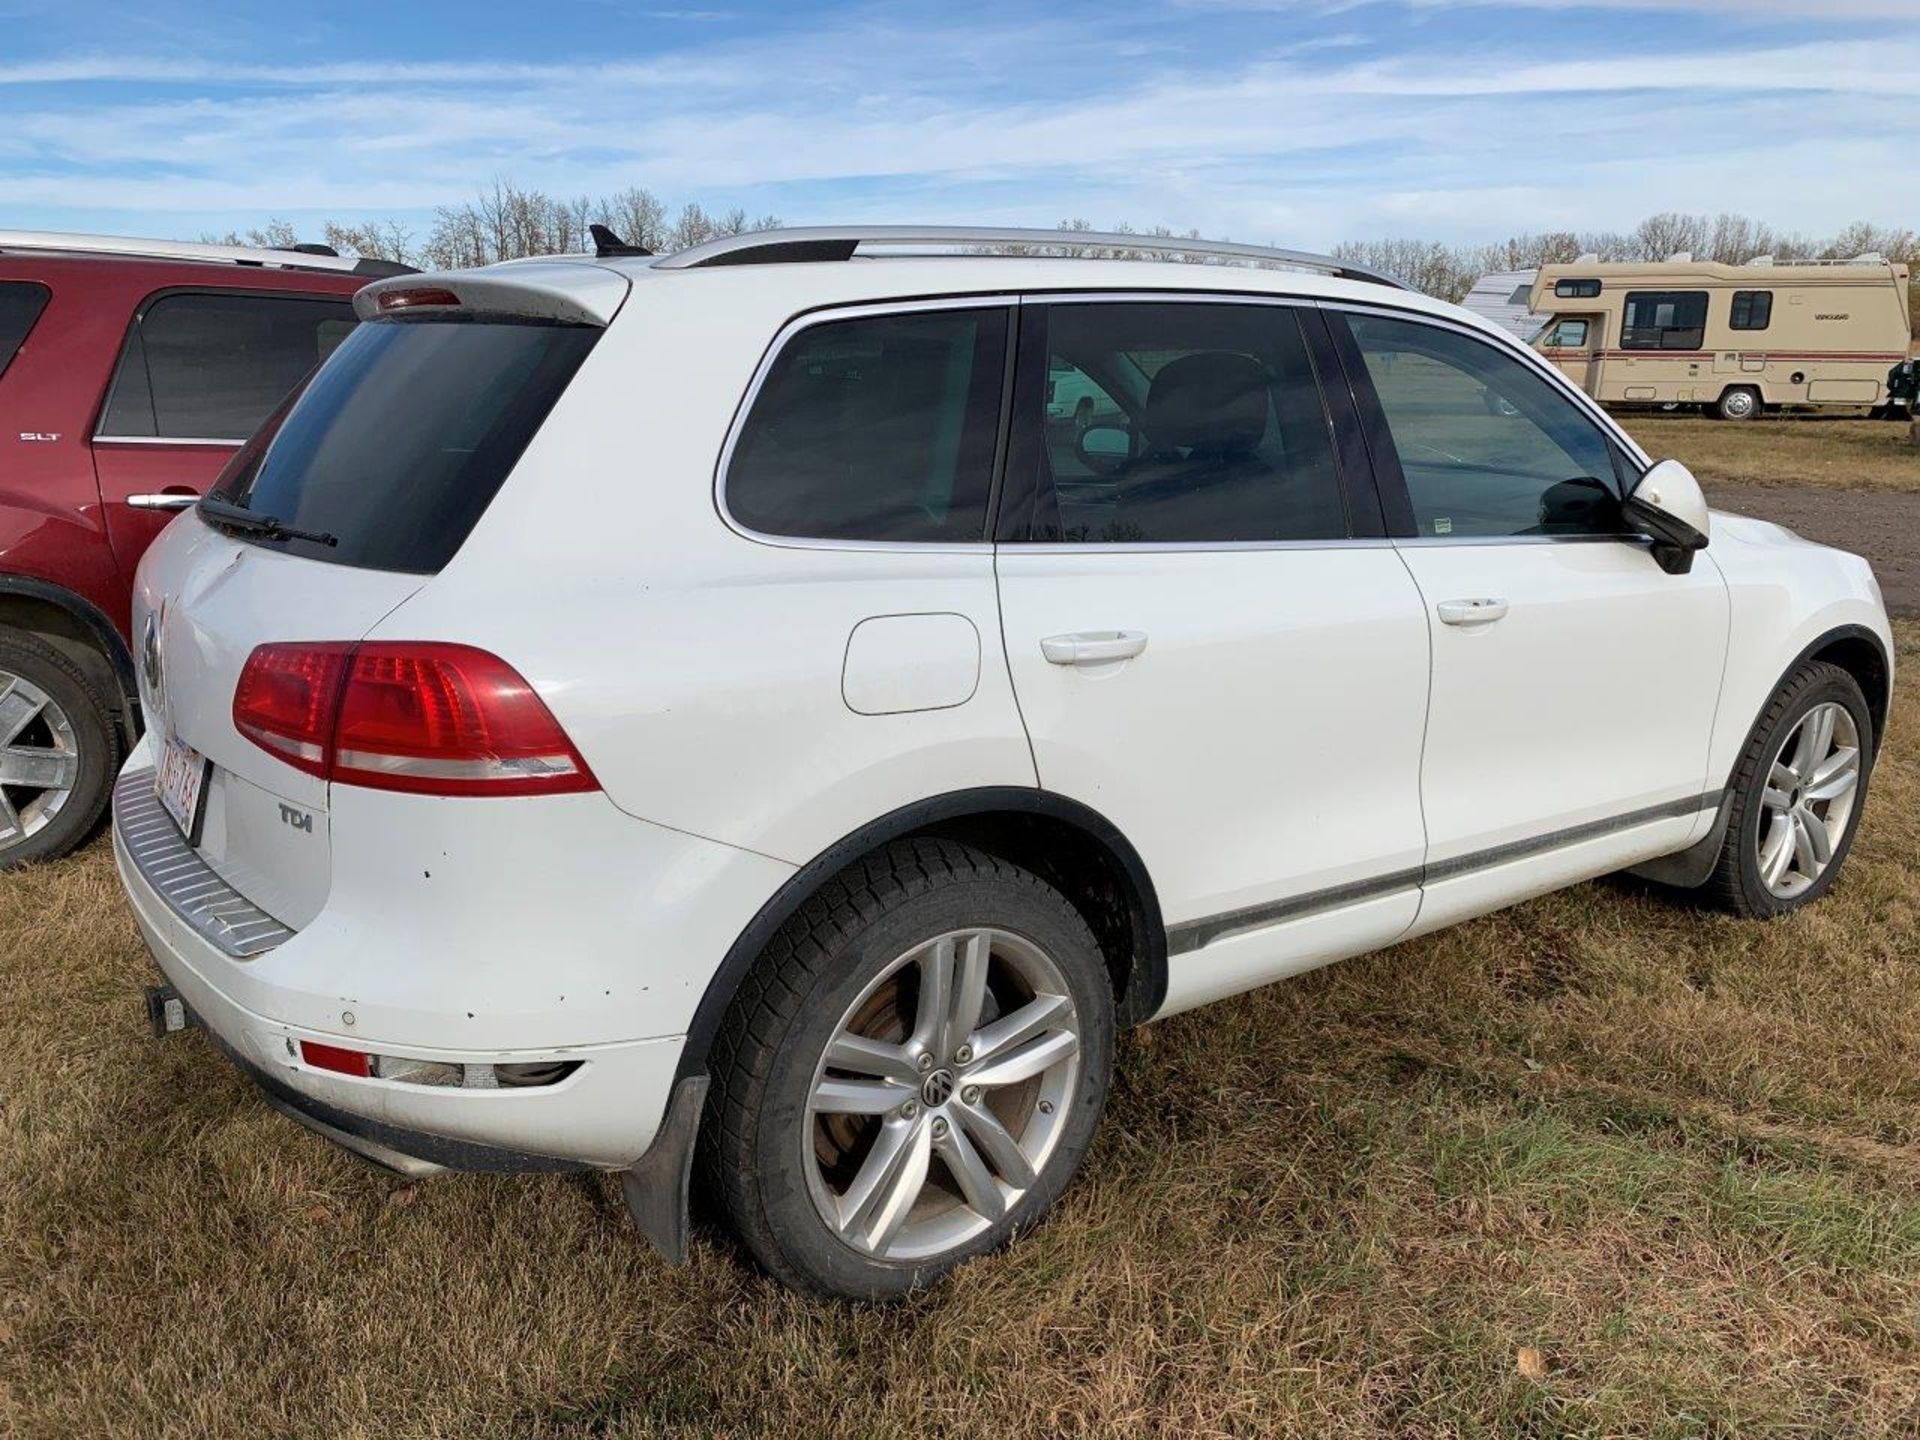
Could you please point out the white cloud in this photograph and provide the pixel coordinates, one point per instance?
(1307, 141)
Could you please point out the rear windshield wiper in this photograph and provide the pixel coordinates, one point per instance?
(254, 522)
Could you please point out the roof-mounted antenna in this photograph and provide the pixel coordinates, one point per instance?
(609, 246)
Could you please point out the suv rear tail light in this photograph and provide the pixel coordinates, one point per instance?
(286, 699)
(420, 716)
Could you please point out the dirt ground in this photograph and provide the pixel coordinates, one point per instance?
(1845, 482)
(1883, 525)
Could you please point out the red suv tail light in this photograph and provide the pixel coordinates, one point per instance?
(421, 716)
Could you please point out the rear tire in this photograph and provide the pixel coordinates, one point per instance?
(1739, 402)
(1784, 794)
(858, 1145)
(59, 749)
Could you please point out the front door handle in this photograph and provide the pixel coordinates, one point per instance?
(169, 500)
(1093, 647)
(1471, 612)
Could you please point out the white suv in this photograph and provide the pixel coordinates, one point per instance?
(628, 711)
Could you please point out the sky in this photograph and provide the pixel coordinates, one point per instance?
(1292, 122)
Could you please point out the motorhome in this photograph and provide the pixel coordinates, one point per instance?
(1505, 297)
(1736, 340)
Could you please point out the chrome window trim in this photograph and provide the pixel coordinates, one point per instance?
(1014, 299)
(1497, 340)
(1162, 297)
(1423, 542)
(166, 440)
(1191, 547)
(1001, 300)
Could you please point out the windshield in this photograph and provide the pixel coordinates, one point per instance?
(398, 443)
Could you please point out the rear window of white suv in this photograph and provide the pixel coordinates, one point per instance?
(399, 442)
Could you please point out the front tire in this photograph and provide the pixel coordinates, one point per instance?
(58, 751)
(1797, 796)
(911, 1073)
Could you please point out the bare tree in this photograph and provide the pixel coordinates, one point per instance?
(506, 222)
(1660, 237)
(373, 239)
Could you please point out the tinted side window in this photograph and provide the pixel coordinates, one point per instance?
(1752, 309)
(1576, 289)
(21, 302)
(1204, 422)
(1488, 445)
(1665, 320)
(212, 367)
(876, 428)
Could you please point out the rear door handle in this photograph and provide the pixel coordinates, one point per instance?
(1471, 612)
(1093, 647)
(168, 501)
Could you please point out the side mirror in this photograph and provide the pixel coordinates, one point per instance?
(1103, 448)
(1666, 504)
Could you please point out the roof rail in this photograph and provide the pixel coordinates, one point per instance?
(308, 258)
(815, 243)
(1871, 257)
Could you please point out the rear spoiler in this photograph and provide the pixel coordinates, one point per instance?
(561, 291)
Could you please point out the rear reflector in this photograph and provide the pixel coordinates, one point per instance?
(335, 1058)
(419, 716)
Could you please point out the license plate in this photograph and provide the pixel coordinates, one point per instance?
(180, 781)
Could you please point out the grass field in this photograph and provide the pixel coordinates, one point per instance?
(1787, 450)
(1600, 1164)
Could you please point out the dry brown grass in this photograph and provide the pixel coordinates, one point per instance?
(1666, 1162)
(1785, 450)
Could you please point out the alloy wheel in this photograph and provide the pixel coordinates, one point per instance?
(39, 759)
(941, 1095)
(1808, 801)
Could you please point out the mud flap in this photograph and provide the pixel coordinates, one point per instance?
(1690, 867)
(658, 1183)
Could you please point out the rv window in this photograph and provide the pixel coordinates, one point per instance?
(1576, 289)
(1752, 309)
(1521, 294)
(1665, 320)
(1568, 335)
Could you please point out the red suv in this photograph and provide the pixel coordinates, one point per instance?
(130, 370)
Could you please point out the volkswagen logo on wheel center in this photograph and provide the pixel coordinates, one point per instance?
(937, 1088)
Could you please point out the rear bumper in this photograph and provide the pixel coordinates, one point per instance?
(405, 1152)
(604, 1114)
